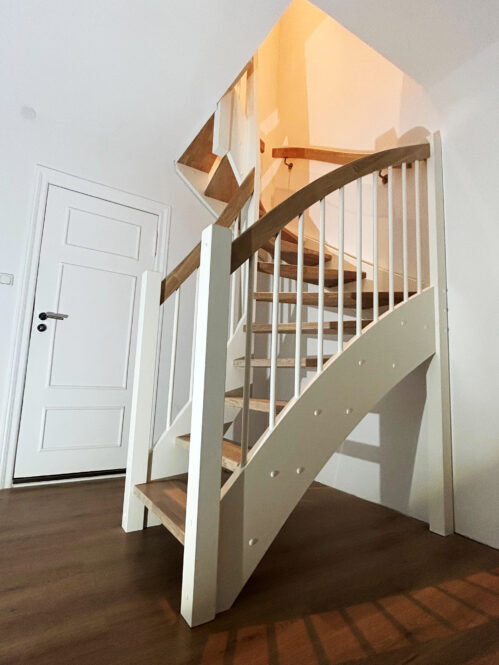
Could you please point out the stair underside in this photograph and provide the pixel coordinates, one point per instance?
(310, 273)
(310, 361)
(255, 403)
(308, 327)
(231, 451)
(331, 298)
(199, 154)
(166, 498)
(223, 184)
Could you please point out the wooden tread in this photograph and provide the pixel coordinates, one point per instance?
(310, 273)
(231, 451)
(310, 361)
(255, 403)
(166, 498)
(307, 327)
(223, 184)
(199, 154)
(330, 298)
(289, 252)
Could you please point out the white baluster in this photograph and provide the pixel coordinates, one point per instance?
(245, 433)
(242, 284)
(173, 358)
(320, 315)
(142, 407)
(341, 257)
(194, 324)
(375, 248)
(418, 225)
(275, 322)
(233, 286)
(404, 231)
(358, 298)
(391, 297)
(299, 298)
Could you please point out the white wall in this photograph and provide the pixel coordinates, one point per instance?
(451, 47)
(468, 101)
(119, 88)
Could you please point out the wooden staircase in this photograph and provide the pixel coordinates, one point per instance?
(240, 490)
(167, 497)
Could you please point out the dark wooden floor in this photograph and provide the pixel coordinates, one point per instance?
(346, 581)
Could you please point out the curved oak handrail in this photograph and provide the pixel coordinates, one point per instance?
(270, 224)
(329, 155)
(185, 268)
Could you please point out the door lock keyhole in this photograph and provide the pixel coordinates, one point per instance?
(41, 327)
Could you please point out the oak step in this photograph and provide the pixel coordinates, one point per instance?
(330, 298)
(289, 253)
(310, 273)
(255, 403)
(223, 184)
(166, 498)
(199, 154)
(231, 451)
(310, 361)
(308, 327)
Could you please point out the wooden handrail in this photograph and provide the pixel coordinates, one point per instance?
(270, 224)
(329, 155)
(185, 268)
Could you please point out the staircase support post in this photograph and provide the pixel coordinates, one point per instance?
(199, 582)
(142, 409)
(440, 486)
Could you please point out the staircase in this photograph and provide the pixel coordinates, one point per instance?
(217, 159)
(218, 480)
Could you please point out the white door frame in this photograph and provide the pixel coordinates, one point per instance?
(44, 177)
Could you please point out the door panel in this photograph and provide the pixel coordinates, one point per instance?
(75, 413)
(66, 429)
(105, 297)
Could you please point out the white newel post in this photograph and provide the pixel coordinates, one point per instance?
(141, 415)
(199, 581)
(440, 487)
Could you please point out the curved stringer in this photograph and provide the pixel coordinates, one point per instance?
(258, 498)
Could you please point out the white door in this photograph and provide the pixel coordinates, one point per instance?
(77, 393)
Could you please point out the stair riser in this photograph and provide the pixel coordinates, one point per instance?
(282, 363)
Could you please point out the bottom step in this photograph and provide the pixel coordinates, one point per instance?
(166, 498)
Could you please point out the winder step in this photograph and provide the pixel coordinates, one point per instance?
(255, 403)
(289, 252)
(308, 327)
(311, 361)
(231, 451)
(330, 298)
(310, 273)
